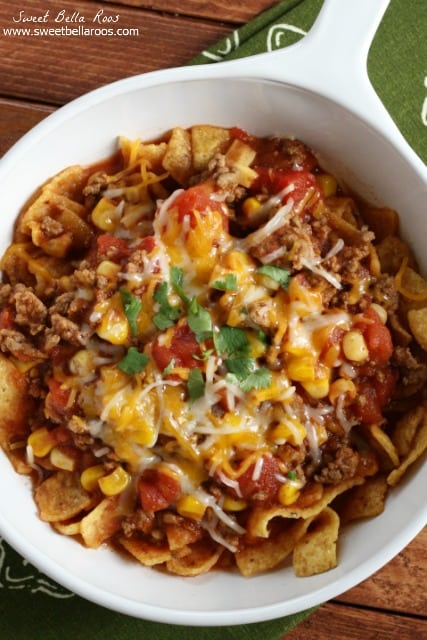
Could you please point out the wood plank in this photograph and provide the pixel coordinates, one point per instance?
(238, 11)
(338, 622)
(16, 119)
(79, 63)
(400, 585)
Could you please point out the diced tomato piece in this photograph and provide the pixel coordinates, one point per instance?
(114, 249)
(377, 336)
(151, 497)
(275, 180)
(367, 407)
(157, 489)
(374, 394)
(147, 244)
(384, 384)
(57, 401)
(6, 318)
(196, 205)
(262, 485)
(182, 348)
(195, 198)
(240, 134)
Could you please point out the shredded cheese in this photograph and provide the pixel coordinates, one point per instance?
(279, 219)
(158, 383)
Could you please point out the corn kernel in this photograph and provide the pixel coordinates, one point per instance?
(332, 355)
(115, 482)
(288, 493)
(190, 507)
(382, 313)
(318, 388)
(301, 369)
(354, 346)
(114, 326)
(358, 289)
(295, 350)
(81, 363)
(105, 215)
(108, 269)
(342, 386)
(90, 476)
(41, 442)
(250, 205)
(234, 504)
(328, 184)
(62, 460)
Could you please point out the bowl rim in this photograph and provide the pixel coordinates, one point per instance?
(117, 602)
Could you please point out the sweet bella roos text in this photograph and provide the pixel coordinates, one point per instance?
(100, 17)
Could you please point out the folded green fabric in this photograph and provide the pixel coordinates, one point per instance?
(32, 606)
(397, 69)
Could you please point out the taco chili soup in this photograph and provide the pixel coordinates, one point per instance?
(211, 355)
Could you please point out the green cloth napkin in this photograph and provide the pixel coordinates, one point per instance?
(32, 606)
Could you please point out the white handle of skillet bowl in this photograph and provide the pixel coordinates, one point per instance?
(332, 60)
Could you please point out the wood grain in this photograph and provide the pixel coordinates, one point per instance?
(54, 69)
(393, 587)
(352, 623)
(16, 118)
(237, 11)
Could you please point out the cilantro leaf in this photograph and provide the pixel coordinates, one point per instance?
(262, 336)
(258, 379)
(199, 321)
(282, 276)
(228, 284)
(195, 385)
(167, 370)
(204, 355)
(133, 362)
(131, 306)
(245, 372)
(167, 314)
(231, 341)
(177, 282)
(240, 367)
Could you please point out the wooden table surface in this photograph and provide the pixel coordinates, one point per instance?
(39, 74)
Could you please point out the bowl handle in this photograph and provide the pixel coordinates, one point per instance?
(332, 60)
(332, 57)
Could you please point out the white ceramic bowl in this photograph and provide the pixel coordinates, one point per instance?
(332, 107)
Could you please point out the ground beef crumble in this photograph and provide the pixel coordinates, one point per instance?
(341, 463)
